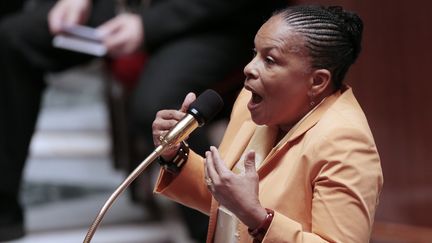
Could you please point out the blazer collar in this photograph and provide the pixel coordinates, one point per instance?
(301, 127)
(309, 120)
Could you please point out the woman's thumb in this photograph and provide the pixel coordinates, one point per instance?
(190, 97)
(249, 162)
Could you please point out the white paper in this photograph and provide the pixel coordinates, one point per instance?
(80, 45)
(226, 227)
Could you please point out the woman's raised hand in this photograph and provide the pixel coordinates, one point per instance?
(167, 119)
(237, 192)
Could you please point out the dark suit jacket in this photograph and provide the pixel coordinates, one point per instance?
(166, 20)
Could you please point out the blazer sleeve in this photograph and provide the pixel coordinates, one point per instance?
(188, 187)
(346, 183)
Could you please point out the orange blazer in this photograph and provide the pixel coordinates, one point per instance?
(323, 182)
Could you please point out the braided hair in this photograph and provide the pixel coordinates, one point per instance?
(333, 36)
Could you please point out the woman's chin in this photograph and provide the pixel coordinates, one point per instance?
(256, 110)
(257, 119)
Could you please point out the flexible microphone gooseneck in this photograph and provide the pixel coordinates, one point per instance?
(202, 110)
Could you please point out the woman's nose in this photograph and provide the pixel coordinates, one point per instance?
(250, 71)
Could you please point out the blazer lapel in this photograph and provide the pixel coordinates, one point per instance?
(212, 220)
(239, 143)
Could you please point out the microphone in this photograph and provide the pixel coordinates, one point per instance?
(202, 110)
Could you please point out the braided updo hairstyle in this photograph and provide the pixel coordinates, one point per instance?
(333, 36)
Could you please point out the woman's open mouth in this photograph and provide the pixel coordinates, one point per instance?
(255, 101)
(256, 98)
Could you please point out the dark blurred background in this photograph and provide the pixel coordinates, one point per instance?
(392, 82)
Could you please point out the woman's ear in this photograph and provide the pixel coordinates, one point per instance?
(321, 82)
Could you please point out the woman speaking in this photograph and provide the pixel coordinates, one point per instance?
(298, 162)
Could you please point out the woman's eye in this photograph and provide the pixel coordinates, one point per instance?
(254, 52)
(269, 60)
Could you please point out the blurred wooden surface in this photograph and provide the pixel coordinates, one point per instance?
(400, 233)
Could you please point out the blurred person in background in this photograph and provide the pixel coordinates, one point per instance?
(191, 46)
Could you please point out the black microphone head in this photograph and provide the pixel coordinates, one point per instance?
(206, 106)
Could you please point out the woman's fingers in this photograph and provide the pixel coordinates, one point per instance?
(211, 172)
(216, 170)
(218, 163)
(249, 163)
(190, 97)
(164, 121)
(207, 178)
(167, 119)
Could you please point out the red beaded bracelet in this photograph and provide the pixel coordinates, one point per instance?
(259, 232)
